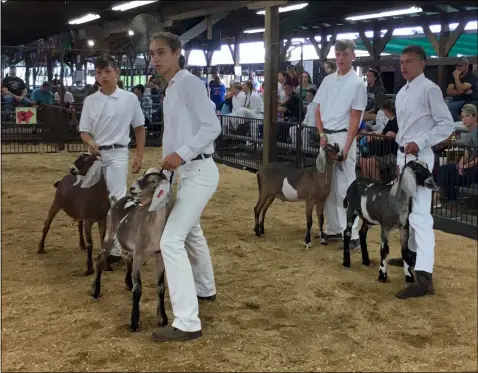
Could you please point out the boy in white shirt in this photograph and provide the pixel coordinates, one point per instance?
(104, 127)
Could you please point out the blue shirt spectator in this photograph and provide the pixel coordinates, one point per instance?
(217, 92)
(43, 95)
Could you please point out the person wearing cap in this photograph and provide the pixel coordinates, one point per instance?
(43, 95)
(423, 121)
(461, 87)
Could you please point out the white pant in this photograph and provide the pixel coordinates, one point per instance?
(184, 247)
(334, 211)
(422, 235)
(305, 135)
(229, 123)
(115, 168)
(254, 125)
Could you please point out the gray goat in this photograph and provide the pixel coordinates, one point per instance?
(83, 196)
(138, 222)
(311, 184)
(387, 205)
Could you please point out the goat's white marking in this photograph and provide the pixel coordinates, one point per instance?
(383, 262)
(129, 204)
(78, 180)
(307, 245)
(374, 197)
(289, 192)
(363, 206)
(92, 176)
(406, 269)
(394, 189)
(409, 182)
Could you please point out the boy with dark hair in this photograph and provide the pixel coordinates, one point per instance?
(105, 126)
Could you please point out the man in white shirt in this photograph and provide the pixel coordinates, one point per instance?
(253, 107)
(309, 120)
(67, 98)
(423, 121)
(341, 101)
(238, 102)
(190, 129)
(105, 126)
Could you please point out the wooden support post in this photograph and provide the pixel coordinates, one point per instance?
(271, 69)
(378, 43)
(323, 49)
(186, 55)
(443, 45)
(209, 27)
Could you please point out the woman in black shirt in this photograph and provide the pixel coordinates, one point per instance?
(382, 150)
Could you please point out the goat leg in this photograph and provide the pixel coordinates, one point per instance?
(88, 224)
(80, 233)
(309, 206)
(128, 280)
(54, 208)
(263, 214)
(161, 317)
(138, 261)
(363, 243)
(320, 234)
(384, 251)
(351, 216)
(409, 257)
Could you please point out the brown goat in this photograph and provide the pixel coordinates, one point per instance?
(311, 184)
(83, 196)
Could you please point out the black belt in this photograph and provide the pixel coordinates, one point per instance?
(202, 156)
(402, 149)
(328, 132)
(108, 147)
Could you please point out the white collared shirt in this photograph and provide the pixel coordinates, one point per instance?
(107, 118)
(281, 92)
(254, 102)
(309, 119)
(337, 96)
(68, 98)
(423, 116)
(238, 101)
(190, 121)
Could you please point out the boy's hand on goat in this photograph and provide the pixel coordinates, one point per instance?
(411, 148)
(137, 164)
(323, 141)
(172, 161)
(93, 148)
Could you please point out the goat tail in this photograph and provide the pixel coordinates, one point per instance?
(346, 203)
(56, 184)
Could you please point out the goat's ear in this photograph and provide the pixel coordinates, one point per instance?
(321, 161)
(409, 182)
(336, 147)
(161, 196)
(93, 175)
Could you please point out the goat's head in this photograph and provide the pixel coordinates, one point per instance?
(145, 186)
(414, 174)
(327, 155)
(87, 169)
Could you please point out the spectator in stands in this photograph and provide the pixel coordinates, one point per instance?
(329, 67)
(293, 78)
(255, 82)
(375, 118)
(282, 78)
(381, 151)
(14, 90)
(55, 84)
(145, 102)
(120, 84)
(67, 98)
(374, 88)
(306, 85)
(290, 108)
(308, 122)
(217, 91)
(464, 172)
(253, 107)
(423, 122)
(238, 102)
(43, 95)
(462, 87)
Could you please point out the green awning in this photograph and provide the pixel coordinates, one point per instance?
(467, 44)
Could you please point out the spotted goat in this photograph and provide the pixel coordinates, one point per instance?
(138, 221)
(83, 196)
(387, 205)
(290, 184)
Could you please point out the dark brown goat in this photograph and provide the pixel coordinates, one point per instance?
(83, 196)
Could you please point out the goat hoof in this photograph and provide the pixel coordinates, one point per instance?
(89, 272)
(323, 241)
(82, 248)
(382, 277)
(307, 246)
(109, 268)
(41, 251)
(366, 262)
(134, 328)
(346, 265)
(162, 323)
(409, 279)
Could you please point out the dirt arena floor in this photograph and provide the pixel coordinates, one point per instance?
(279, 307)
